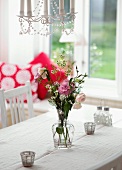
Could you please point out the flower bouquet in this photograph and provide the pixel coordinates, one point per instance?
(64, 96)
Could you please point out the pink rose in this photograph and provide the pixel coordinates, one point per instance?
(80, 98)
(77, 106)
(64, 87)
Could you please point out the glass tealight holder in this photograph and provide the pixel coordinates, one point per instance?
(28, 158)
(89, 128)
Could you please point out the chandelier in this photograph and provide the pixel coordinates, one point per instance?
(57, 17)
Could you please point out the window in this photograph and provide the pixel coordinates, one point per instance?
(100, 26)
(96, 86)
(61, 44)
(102, 39)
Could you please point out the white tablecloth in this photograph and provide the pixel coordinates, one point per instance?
(35, 134)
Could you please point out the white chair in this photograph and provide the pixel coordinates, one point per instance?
(15, 99)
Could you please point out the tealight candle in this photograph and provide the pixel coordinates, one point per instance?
(89, 128)
(27, 158)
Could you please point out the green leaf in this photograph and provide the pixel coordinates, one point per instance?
(59, 130)
(66, 108)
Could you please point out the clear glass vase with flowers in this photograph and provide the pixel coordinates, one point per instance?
(64, 96)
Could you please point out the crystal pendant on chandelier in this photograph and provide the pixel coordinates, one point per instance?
(39, 20)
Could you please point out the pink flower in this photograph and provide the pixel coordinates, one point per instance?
(80, 98)
(77, 106)
(64, 88)
(72, 87)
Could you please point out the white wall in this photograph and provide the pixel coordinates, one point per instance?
(16, 48)
(20, 46)
(4, 50)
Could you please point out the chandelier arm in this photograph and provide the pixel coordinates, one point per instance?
(36, 19)
(59, 18)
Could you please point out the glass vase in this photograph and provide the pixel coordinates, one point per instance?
(63, 132)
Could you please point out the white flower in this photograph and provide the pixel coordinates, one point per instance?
(56, 83)
(43, 72)
(56, 92)
(48, 86)
(35, 67)
(52, 71)
(62, 97)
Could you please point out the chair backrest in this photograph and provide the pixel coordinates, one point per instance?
(15, 99)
